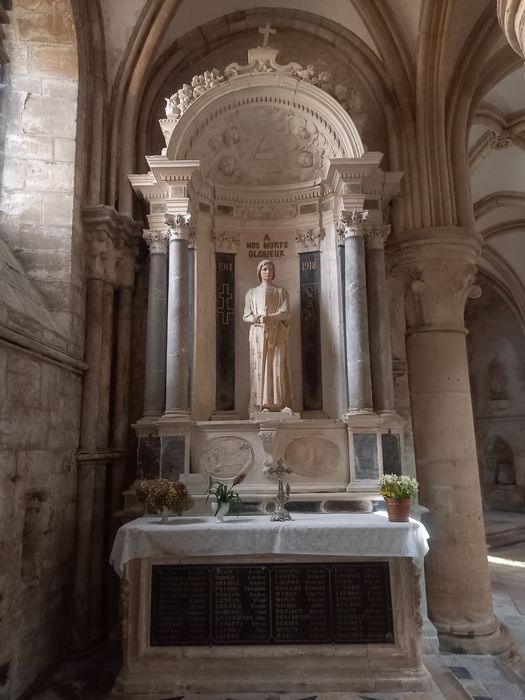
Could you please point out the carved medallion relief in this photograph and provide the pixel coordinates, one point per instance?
(262, 145)
(225, 457)
(312, 456)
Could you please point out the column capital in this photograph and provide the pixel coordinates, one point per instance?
(440, 268)
(376, 236)
(157, 240)
(352, 223)
(178, 226)
(309, 239)
(226, 242)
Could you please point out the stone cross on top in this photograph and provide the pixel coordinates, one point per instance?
(266, 31)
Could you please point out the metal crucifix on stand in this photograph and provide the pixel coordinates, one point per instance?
(283, 495)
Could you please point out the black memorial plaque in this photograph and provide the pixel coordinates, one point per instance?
(172, 456)
(240, 605)
(301, 604)
(310, 277)
(180, 605)
(365, 456)
(362, 603)
(225, 332)
(391, 453)
(332, 603)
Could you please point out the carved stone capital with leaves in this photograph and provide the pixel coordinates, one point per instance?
(376, 236)
(309, 239)
(178, 226)
(226, 242)
(157, 240)
(352, 223)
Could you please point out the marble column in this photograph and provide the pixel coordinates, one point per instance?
(441, 264)
(356, 315)
(155, 366)
(178, 340)
(378, 320)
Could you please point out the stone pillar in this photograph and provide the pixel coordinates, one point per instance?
(441, 263)
(108, 237)
(177, 354)
(356, 315)
(511, 15)
(106, 352)
(155, 366)
(122, 368)
(378, 320)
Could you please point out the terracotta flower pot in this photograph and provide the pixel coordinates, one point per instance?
(398, 509)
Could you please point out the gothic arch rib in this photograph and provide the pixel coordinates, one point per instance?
(404, 156)
(91, 92)
(127, 94)
(460, 103)
(493, 266)
(495, 200)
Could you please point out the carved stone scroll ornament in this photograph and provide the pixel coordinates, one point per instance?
(260, 60)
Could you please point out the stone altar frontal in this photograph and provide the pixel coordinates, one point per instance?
(155, 670)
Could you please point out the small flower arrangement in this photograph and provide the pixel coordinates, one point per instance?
(160, 494)
(394, 486)
(224, 493)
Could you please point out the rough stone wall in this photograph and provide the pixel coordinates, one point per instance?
(38, 153)
(41, 317)
(496, 345)
(39, 422)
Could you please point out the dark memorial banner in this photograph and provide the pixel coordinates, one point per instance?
(310, 280)
(225, 332)
(332, 603)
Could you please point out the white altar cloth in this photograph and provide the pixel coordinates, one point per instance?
(347, 535)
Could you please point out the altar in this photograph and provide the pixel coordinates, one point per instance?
(324, 603)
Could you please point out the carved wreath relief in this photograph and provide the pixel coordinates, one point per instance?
(225, 457)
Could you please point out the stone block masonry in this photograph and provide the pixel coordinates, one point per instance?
(38, 150)
(39, 424)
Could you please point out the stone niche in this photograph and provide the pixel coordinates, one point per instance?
(266, 161)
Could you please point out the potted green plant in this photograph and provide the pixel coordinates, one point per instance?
(398, 492)
(224, 495)
(163, 496)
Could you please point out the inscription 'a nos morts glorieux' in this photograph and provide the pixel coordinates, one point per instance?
(343, 603)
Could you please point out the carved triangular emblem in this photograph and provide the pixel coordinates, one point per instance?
(265, 151)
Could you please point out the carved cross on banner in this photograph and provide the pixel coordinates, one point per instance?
(266, 31)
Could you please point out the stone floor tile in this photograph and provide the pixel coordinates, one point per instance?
(505, 691)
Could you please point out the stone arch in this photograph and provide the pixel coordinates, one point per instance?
(302, 125)
(351, 52)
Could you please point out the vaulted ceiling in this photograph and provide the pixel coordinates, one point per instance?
(444, 65)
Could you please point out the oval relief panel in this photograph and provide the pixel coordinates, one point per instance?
(312, 456)
(225, 457)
